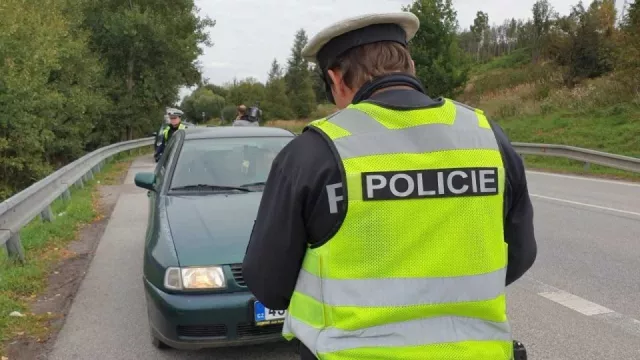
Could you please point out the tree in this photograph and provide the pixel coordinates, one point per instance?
(49, 90)
(80, 74)
(150, 49)
(298, 79)
(276, 104)
(247, 91)
(631, 22)
(202, 100)
(587, 48)
(319, 87)
(209, 104)
(275, 72)
(218, 90)
(512, 34)
(440, 63)
(479, 28)
(542, 13)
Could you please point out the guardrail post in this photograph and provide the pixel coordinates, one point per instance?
(66, 195)
(587, 166)
(15, 251)
(88, 176)
(47, 214)
(80, 183)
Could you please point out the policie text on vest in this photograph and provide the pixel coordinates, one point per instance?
(415, 184)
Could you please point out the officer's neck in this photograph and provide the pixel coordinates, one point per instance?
(387, 82)
(399, 87)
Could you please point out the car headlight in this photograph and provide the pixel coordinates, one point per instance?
(194, 278)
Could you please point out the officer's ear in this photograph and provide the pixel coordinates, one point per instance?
(342, 94)
(336, 80)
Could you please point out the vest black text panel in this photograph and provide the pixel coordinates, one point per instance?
(432, 183)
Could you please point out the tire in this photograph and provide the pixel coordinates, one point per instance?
(158, 344)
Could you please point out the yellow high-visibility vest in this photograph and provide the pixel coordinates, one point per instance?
(166, 131)
(417, 269)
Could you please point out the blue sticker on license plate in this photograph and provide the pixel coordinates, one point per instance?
(265, 316)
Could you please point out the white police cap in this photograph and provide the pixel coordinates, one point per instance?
(360, 30)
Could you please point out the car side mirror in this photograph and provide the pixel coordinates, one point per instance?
(146, 180)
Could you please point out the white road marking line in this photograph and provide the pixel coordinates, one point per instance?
(586, 205)
(625, 183)
(576, 303)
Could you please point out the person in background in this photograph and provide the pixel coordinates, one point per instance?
(391, 228)
(243, 118)
(175, 124)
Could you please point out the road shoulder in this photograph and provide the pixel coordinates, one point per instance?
(65, 277)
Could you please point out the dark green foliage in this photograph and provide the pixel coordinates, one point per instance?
(228, 114)
(298, 79)
(276, 104)
(77, 75)
(203, 100)
(440, 63)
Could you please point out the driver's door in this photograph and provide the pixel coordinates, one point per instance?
(160, 172)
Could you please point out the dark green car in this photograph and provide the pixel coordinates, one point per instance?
(204, 196)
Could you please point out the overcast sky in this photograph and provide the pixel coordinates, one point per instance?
(249, 34)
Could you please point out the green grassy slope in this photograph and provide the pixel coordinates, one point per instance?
(531, 104)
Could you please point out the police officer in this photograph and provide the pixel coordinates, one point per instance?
(390, 229)
(175, 124)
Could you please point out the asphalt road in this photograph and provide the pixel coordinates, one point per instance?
(580, 300)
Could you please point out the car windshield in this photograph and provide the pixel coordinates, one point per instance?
(222, 164)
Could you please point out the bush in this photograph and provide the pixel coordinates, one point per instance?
(228, 114)
(323, 111)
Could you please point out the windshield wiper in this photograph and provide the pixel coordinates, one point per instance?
(209, 187)
(255, 183)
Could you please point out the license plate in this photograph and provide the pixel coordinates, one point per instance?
(265, 316)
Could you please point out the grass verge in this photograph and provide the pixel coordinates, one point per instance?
(45, 245)
(607, 129)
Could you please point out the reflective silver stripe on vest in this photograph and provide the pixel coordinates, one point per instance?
(369, 137)
(437, 330)
(414, 291)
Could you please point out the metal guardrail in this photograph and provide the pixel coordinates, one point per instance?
(587, 156)
(20, 209)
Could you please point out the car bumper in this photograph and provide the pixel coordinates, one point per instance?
(185, 321)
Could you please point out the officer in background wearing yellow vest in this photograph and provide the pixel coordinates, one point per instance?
(391, 228)
(175, 124)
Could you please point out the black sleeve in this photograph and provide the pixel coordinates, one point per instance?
(160, 148)
(518, 228)
(293, 213)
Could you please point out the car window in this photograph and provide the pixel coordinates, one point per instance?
(226, 161)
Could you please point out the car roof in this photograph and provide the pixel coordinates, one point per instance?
(234, 131)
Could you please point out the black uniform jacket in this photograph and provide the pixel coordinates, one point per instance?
(294, 210)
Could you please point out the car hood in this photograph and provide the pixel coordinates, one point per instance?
(212, 229)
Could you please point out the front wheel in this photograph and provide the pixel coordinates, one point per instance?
(158, 344)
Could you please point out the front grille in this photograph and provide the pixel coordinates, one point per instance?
(202, 330)
(236, 270)
(247, 330)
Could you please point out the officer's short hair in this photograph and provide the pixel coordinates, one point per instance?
(360, 64)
